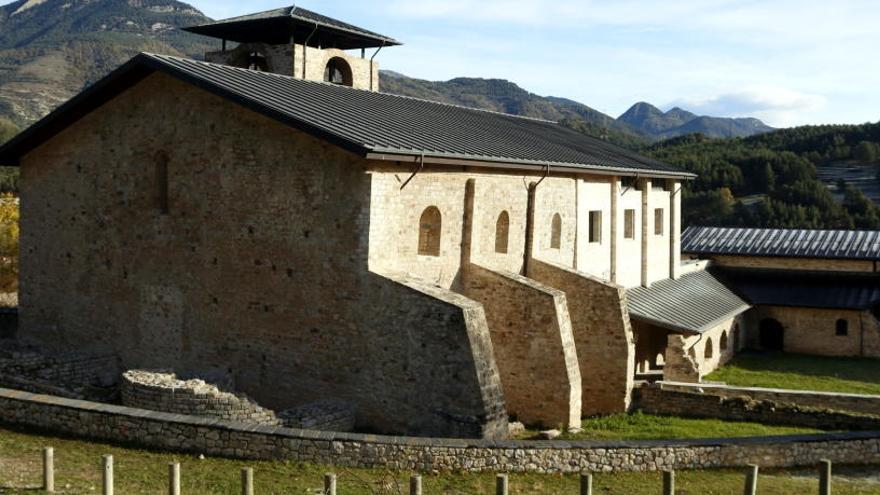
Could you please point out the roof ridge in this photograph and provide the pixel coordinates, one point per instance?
(779, 229)
(392, 95)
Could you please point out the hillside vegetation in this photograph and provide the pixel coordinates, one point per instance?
(52, 49)
(778, 168)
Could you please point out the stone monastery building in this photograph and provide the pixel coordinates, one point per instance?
(270, 214)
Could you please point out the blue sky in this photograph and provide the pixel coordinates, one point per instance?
(789, 62)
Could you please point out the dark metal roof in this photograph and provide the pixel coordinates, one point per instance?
(278, 26)
(828, 244)
(364, 122)
(804, 289)
(695, 303)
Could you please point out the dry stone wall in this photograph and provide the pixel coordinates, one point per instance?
(864, 404)
(654, 399)
(215, 437)
(163, 391)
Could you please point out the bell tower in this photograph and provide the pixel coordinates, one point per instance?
(296, 42)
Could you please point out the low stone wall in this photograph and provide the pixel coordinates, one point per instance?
(655, 399)
(214, 437)
(163, 391)
(69, 375)
(865, 404)
(324, 416)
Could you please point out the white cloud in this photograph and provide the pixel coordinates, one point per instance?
(777, 106)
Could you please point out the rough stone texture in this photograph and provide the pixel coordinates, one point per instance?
(813, 331)
(327, 415)
(864, 404)
(259, 269)
(214, 437)
(688, 358)
(602, 334)
(163, 391)
(534, 347)
(680, 365)
(66, 374)
(657, 399)
(280, 60)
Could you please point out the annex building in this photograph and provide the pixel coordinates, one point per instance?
(269, 214)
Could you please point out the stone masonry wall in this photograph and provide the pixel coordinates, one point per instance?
(813, 331)
(814, 264)
(258, 269)
(214, 437)
(656, 399)
(534, 347)
(163, 391)
(280, 59)
(863, 404)
(602, 334)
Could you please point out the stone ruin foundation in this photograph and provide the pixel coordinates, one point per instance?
(166, 392)
(70, 375)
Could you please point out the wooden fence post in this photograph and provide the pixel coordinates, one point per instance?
(501, 484)
(247, 481)
(415, 485)
(751, 481)
(49, 470)
(668, 482)
(587, 484)
(329, 484)
(824, 477)
(108, 475)
(174, 478)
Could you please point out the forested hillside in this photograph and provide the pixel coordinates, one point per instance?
(771, 181)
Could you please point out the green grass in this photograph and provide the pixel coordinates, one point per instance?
(77, 466)
(640, 426)
(800, 372)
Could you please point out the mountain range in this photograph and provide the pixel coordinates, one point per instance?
(52, 49)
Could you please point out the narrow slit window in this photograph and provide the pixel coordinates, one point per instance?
(556, 232)
(162, 184)
(629, 224)
(430, 224)
(659, 221)
(595, 227)
(502, 232)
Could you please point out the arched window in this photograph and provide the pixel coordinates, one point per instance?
(842, 328)
(257, 61)
(502, 232)
(710, 349)
(556, 232)
(338, 72)
(429, 232)
(724, 341)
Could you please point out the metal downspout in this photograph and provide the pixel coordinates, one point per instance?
(418, 170)
(306, 49)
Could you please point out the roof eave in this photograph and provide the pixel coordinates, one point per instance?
(393, 155)
(692, 330)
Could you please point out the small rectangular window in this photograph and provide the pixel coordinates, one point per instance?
(659, 221)
(842, 328)
(596, 227)
(629, 224)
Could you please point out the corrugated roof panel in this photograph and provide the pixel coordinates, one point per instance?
(695, 303)
(369, 122)
(829, 244)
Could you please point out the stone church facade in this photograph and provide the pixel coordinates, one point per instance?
(441, 269)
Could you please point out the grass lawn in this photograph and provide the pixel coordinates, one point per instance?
(800, 372)
(77, 467)
(640, 426)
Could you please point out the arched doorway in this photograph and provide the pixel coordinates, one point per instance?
(772, 335)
